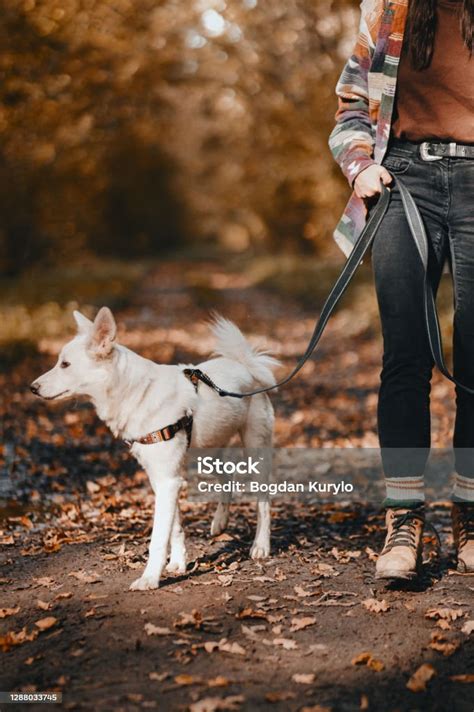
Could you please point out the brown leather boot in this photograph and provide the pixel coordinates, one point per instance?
(463, 534)
(401, 555)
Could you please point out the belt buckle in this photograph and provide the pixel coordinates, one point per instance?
(427, 156)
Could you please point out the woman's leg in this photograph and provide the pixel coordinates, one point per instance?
(461, 238)
(404, 397)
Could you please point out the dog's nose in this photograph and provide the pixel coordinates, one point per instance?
(34, 388)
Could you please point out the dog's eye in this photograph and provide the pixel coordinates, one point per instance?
(65, 364)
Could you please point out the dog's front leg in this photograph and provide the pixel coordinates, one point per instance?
(177, 562)
(261, 545)
(166, 488)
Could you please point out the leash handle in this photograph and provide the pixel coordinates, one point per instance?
(354, 260)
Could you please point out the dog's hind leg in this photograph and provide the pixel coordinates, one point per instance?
(177, 562)
(258, 433)
(221, 515)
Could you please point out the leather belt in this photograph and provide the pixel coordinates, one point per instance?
(434, 151)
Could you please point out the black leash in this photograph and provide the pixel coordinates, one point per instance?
(418, 232)
(360, 248)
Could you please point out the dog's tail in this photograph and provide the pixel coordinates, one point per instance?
(232, 344)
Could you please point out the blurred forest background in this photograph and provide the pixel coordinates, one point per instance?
(128, 127)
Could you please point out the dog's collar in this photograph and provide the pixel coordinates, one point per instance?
(158, 436)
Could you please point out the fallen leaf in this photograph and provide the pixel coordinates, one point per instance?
(286, 643)
(301, 623)
(345, 556)
(250, 613)
(189, 620)
(369, 660)
(468, 627)
(211, 704)
(449, 614)
(46, 623)
(218, 681)
(233, 648)
(440, 643)
(44, 581)
(13, 638)
(303, 678)
(375, 606)
(279, 696)
(251, 631)
(83, 577)
(325, 570)
(159, 676)
(225, 579)
(5, 612)
(465, 678)
(44, 605)
(274, 619)
(302, 593)
(184, 680)
(223, 537)
(420, 678)
(151, 629)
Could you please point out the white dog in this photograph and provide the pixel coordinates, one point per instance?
(137, 398)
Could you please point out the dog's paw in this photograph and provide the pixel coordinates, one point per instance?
(176, 567)
(145, 583)
(260, 551)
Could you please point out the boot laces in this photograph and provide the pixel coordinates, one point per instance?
(466, 525)
(404, 527)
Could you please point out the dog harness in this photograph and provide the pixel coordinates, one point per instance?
(169, 431)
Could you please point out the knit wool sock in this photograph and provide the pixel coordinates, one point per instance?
(405, 491)
(463, 490)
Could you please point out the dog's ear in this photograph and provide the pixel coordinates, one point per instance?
(103, 334)
(84, 325)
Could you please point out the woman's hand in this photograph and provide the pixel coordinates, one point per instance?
(368, 182)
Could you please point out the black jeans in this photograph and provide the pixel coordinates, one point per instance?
(444, 193)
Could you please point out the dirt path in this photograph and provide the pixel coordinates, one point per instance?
(309, 630)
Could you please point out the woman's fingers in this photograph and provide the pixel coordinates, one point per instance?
(385, 176)
(368, 182)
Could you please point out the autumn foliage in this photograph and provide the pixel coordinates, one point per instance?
(129, 127)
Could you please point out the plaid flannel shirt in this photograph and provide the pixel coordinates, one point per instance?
(366, 95)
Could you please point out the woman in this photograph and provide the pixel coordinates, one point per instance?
(406, 107)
